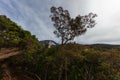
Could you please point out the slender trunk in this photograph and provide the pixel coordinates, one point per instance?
(66, 67)
(65, 75)
(60, 72)
(62, 41)
(46, 72)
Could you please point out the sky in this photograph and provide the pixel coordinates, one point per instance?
(34, 16)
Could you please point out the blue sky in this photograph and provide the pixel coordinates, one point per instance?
(33, 15)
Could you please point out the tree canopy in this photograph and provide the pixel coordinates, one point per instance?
(68, 28)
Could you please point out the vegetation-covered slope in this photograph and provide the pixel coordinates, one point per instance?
(14, 41)
(62, 62)
(69, 62)
(78, 62)
(12, 35)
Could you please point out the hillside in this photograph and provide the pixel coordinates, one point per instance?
(23, 58)
(15, 41)
(71, 61)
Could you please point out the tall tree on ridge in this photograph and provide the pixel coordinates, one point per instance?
(68, 28)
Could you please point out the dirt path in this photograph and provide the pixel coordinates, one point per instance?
(8, 52)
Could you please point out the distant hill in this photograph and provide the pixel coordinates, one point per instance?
(104, 46)
(48, 42)
(96, 46)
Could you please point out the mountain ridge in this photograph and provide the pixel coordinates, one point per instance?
(46, 42)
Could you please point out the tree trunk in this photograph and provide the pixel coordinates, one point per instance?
(62, 41)
(66, 68)
(46, 73)
(60, 72)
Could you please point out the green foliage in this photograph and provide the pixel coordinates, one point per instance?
(64, 62)
(80, 62)
(70, 62)
(12, 35)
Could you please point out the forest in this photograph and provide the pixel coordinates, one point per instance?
(23, 57)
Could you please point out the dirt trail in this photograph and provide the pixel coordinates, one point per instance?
(8, 52)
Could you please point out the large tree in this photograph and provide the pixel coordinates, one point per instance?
(68, 28)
